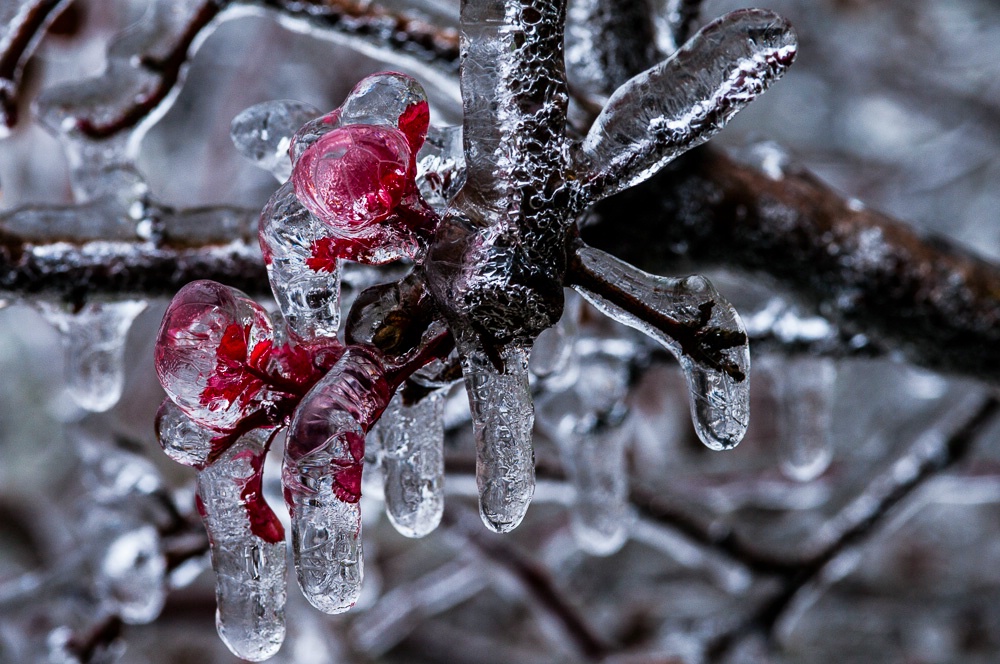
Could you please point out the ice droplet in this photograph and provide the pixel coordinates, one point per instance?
(805, 389)
(306, 284)
(182, 439)
(263, 133)
(130, 580)
(553, 348)
(322, 471)
(502, 419)
(94, 341)
(692, 321)
(685, 100)
(413, 463)
(248, 550)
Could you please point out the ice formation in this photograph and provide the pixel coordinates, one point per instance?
(485, 215)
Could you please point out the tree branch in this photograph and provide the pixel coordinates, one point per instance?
(927, 298)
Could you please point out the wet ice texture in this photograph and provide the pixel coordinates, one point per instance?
(94, 342)
(324, 456)
(685, 100)
(248, 551)
(502, 419)
(306, 286)
(699, 327)
(805, 390)
(412, 455)
(441, 167)
(263, 133)
(182, 439)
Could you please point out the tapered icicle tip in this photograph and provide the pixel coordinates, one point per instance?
(692, 320)
(502, 419)
(94, 341)
(248, 551)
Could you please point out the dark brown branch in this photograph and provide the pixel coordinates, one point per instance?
(933, 301)
(19, 39)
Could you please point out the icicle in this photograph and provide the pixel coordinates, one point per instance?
(94, 341)
(553, 348)
(804, 388)
(696, 324)
(248, 550)
(306, 284)
(263, 133)
(502, 419)
(413, 462)
(130, 578)
(667, 110)
(322, 477)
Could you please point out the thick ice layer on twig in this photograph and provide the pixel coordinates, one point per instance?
(306, 286)
(692, 321)
(685, 100)
(248, 550)
(412, 438)
(502, 420)
(263, 133)
(324, 456)
(805, 390)
(94, 341)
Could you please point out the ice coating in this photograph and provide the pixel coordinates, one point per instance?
(441, 167)
(685, 100)
(263, 133)
(323, 462)
(212, 354)
(390, 99)
(353, 176)
(182, 439)
(94, 342)
(692, 321)
(412, 455)
(248, 550)
(805, 389)
(305, 281)
(502, 419)
(130, 574)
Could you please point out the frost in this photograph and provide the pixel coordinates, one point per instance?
(248, 550)
(94, 342)
(700, 328)
(685, 100)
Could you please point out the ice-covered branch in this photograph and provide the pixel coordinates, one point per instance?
(932, 301)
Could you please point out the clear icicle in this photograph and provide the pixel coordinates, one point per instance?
(502, 419)
(307, 289)
(413, 462)
(263, 133)
(324, 456)
(805, 391)
(248, 550)
(553, 348)
(94, 341)
(594, 457)
(697, 325)
(667, 110)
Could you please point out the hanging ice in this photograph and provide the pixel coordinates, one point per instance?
(804, 388)
(182, 439)
(263, 133)
(305, 280)
(692, 321)
(413, 462)
(248, 550)
(324, 456)
(685, 100)
(94, 342)
(130, 576)
(502, 419)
